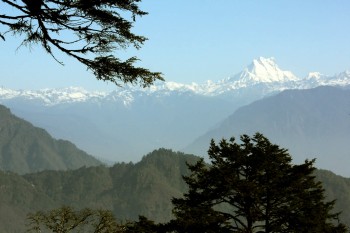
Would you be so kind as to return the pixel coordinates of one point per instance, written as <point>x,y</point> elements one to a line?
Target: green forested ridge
<point>128,189</point>
<point>25,148</point>
<point>337,187</point>
<point>17,198</point>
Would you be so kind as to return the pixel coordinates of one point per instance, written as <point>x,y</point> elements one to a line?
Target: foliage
<point>81,29</point>
<point>126,189</point>
<point>143,225</point>
<point>253,186</point>
<point>65,220</point>
<point>129,190</point>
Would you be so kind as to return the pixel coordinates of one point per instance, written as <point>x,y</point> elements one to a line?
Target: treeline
<point>126,189</point>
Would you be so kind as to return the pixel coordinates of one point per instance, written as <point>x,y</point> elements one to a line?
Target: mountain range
<point>128,122</point>
<point>261,72</point>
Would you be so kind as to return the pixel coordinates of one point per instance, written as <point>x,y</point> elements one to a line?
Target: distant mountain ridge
<point>311,123</point>
<point>109,125</point>
<point>25,148</point>
<point>260,71</point>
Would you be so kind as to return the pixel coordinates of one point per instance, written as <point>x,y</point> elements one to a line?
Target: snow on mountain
<point>314,76</point>
<point>167,114</point>
<point>8,93</point>
<point>52,96</point>
<point>340,79</point>
<point>262,72</point>
<point>314,79</point>
<point>123,96</point>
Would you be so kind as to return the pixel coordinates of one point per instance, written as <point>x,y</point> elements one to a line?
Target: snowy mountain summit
<point>263,70</point>
<point>262,75</point>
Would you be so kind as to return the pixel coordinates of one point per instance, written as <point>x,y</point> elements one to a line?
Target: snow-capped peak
<point>314,75</point>
<point>262,74</point>
<point>265,70</point>
<point>261,70</point>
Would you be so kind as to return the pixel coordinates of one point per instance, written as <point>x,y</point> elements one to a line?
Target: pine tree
<point>90,31</point>
<point>253,187</point>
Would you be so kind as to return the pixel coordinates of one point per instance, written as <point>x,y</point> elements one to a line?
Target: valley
<point>125,124</point>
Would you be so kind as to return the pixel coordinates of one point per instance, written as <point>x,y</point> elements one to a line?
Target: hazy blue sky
<point>196,40</point>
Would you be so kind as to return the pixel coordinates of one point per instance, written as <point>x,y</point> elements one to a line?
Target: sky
<point>200,40</point>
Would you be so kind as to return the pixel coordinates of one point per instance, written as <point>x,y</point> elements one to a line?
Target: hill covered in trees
<point>25,148</point>
<point>127,189</point>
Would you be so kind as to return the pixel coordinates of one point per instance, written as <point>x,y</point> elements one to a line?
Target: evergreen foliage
<point>143,225</point>
<point>89,31</point>
<point>126,189</point>
<point>252,187</point>
<point>129,190</point>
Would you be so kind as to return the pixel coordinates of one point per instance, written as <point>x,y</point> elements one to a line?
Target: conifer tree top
<point>253,186</point>
<point>88,30</point>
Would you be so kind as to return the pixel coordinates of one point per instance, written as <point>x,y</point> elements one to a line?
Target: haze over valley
<point>125,124</point>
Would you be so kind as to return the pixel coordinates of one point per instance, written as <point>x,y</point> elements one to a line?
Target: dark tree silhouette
<point>87,30</point>
<point>253,187</point>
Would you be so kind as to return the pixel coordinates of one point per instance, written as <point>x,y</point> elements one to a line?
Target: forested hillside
<point>128,189</point>
<point>18,197</point>
<point>338,188</point>
<point>25,148</point>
